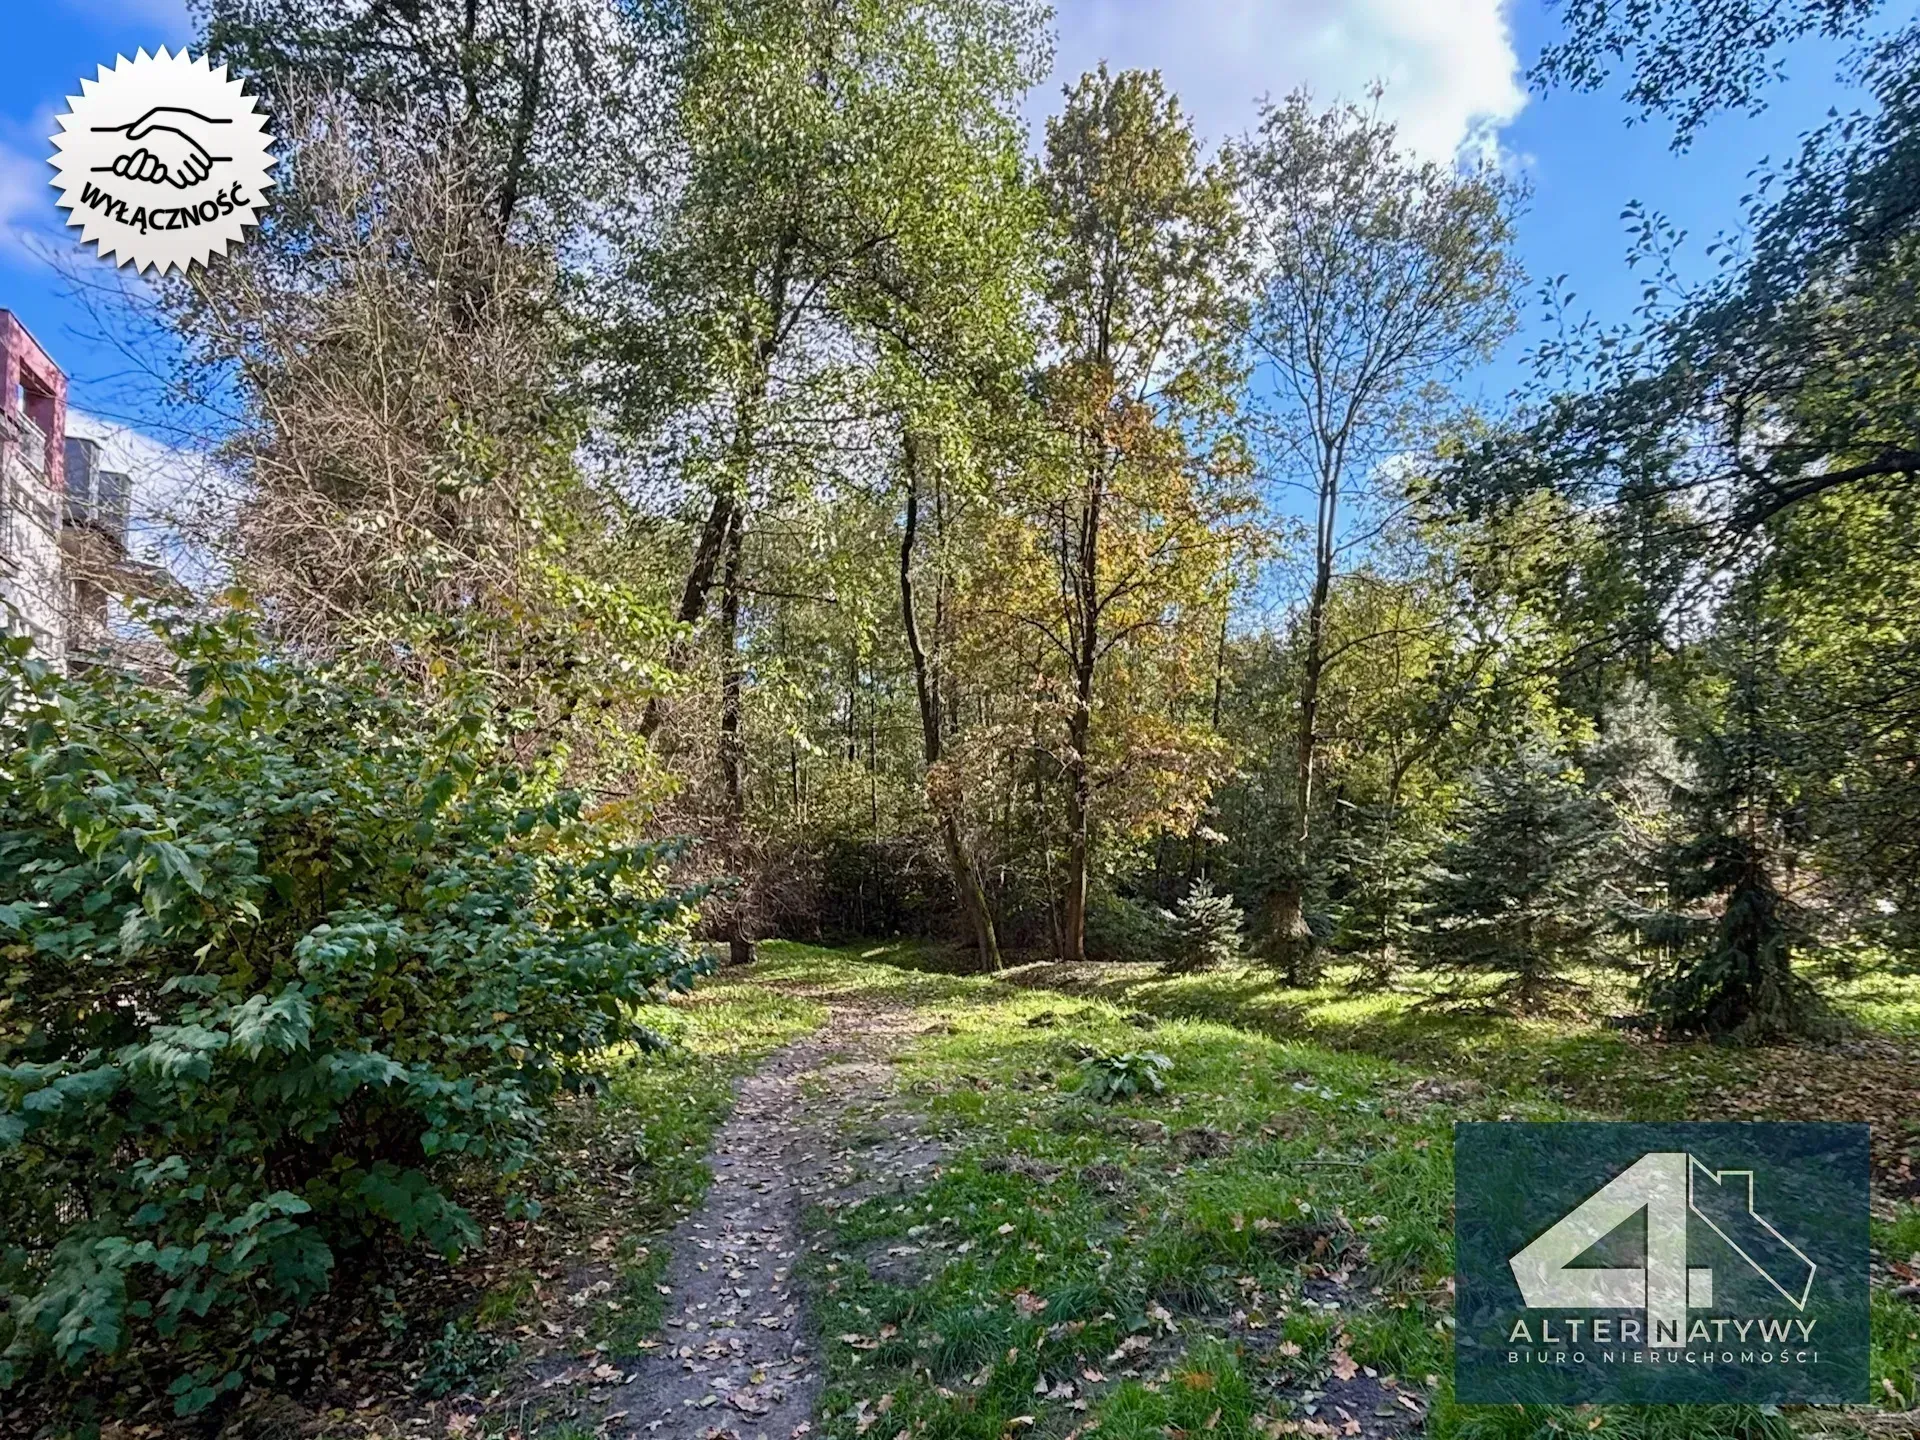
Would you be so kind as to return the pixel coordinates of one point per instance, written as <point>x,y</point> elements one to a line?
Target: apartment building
<point>63,512</point>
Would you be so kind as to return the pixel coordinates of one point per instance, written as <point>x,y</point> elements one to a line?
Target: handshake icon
<point>166,146</point>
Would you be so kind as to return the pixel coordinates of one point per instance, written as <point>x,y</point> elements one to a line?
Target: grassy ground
<point>1265,1248</point>
<point>650,1134</point>
<point>579,1284</point>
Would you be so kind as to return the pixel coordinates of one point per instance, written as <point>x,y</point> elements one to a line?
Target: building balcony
<point>28,443</point>
<point>96,497</point>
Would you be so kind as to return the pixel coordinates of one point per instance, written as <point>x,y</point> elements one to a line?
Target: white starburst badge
<point>163,161</point>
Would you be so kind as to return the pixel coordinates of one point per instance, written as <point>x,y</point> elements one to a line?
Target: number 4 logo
<point>1669,1185</point>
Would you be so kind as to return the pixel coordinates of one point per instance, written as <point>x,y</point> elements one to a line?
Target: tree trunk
<point>731,498</point>
<point>926,685</point>
<point>1199,854</point>
<point>740,945</point>
<point>1080,723</point>
<point>1289,941</point>
<point>531,80</point>
<point>1038,750</point>
<point>1073,938</point>
<point>693,596</point>
<point>1080,807</point>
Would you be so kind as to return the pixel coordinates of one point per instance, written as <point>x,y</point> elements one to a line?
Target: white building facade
<point>33,422</point>
<point>63,512</point>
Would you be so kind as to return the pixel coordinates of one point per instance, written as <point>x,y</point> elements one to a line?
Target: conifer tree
<point>1139,506</point>
<point>1519,891</point>
<point>1383,855</point>
<point>1727,930</point>
<point>1206,930</point>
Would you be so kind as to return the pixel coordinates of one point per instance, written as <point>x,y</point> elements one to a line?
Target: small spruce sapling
<point>1207,929</point>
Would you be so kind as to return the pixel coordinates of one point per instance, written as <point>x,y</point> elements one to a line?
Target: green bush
<point>288,962</point>
<point>1127,931</point>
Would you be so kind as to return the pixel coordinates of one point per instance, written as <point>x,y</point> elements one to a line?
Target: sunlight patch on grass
<point>1208,1260</point>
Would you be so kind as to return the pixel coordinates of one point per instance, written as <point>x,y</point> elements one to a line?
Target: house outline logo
<point>1687,1262</point>
<point>1665,1185</point>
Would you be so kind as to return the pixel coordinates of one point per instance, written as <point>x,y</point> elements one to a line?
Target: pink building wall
<point>33,424</point>
<point>32,384</point>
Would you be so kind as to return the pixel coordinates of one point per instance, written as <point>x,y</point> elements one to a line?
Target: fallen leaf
<point>1132,1345</point>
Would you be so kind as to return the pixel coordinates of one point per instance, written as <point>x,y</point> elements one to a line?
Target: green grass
<point>1121,1266</point>
<point>1616,1072</point>
<point>623,1166</point>
<point>644,1143</point>
<point>1889,1004</point>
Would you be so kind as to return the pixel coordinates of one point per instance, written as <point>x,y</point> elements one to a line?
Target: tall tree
<point>1439,636</point>
<point>1729,926</point>
<point>1140,282</point>
<point>404,480</point>
<point>949,304</point>
<point>1843,586</point>
<point>816,139</point>
<point>554,101</point>
<point>1379,277</point>
<point>927,650</point>
<point>1762,425</point>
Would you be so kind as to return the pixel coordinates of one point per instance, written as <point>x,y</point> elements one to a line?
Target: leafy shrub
<point>458,1357</point>
<point>1124,1076</point>
<point>868,887</point>
<point>1127,931</point>
<point>1206,930</point>
<point>286,961</point>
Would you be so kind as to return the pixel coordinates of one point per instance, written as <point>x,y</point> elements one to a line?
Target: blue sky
<point>1453,69</point>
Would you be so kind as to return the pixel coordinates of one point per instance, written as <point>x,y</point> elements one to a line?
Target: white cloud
<point>172,485</point>
<point>1449,66</point>
<point>30,222</point>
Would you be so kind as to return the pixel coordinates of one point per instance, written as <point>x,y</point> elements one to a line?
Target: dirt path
<point>821,1122</point>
